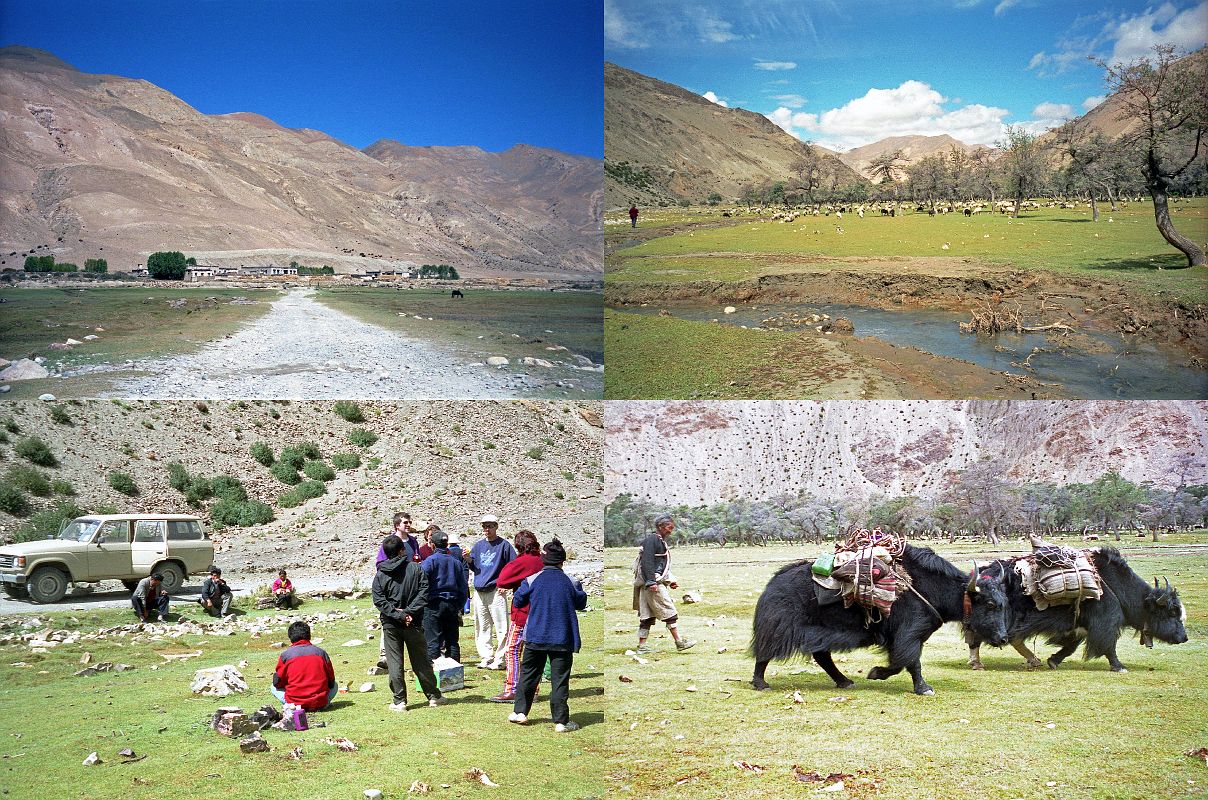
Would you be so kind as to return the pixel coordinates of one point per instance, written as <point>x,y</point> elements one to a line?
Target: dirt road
<point>304,349</point>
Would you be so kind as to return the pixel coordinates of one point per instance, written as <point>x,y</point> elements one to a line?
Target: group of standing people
<point>421,588</point>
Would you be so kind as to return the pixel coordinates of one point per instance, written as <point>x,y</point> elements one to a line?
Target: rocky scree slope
<point>534,464</point>
<point>698,453</point>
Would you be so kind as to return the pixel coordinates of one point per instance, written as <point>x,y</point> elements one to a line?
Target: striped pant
<point>513,650</point>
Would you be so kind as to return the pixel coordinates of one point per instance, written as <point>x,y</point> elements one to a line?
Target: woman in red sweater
<point>527,563</point>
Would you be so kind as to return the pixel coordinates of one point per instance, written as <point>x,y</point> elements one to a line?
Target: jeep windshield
<point>79,530</point>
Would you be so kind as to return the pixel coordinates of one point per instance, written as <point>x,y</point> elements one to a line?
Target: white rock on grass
<point>218,681</point>
<point>497,361</point>
<point>92,760</point>
<point>46,397</point>
<point>367,686</point>
<point>23,369</point>
<point>529,361</point>
<point>729,310</point>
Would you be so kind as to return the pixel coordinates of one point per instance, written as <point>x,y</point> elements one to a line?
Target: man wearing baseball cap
<point>487,558</point>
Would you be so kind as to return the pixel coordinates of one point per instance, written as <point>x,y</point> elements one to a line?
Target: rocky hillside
<point>912,148</point>
<point>534,464</point>
<point>103,166</point>
<point>698,453</point>
<point>664,143</point>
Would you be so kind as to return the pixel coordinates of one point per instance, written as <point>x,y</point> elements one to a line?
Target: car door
<point>148,548</point>
<point>109,553</point>
<point>187,544</point>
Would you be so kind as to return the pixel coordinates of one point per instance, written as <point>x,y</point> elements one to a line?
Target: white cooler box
<point>449,675</point>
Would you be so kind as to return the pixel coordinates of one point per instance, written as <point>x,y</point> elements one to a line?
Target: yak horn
<point>1167,582</point>
<point>1155,581</point>
<point>973,579</point>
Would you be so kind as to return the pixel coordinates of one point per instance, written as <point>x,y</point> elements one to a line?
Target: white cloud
<point>1093,101</point>
<point>914,108</point>
<point>1053,111</point>
<point>1135,37</point>
<point>774,66</point>
<point>712,98</point>
<point>713,29</point>
<point>618,31</point>
<point>790,100</point>
<point>1002,7</point>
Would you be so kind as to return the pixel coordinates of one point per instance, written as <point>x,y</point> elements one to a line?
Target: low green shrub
<point>263,453</point>
<point>29,479</point>
<point>62,487</point>
<point>47,523</point>
<point>362,438</point>
<point>36,451</point>
<point>346,461</point>
<point>121,482</point>
<point>318,471</point>
<point>240,513</point>
<point>178,476</point>
<point>13,501</point>
<point>293,456</point>
<point>226,487</point>
<point>59,415</point>
<point>310,489</point>
<point>349,410</point>
<point>285,472</point>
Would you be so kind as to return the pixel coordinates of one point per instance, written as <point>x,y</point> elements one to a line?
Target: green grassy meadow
<point>518,320</point>
<point>137,321</point>
<point>662,357</point>
<point>1123,246</point>
<point>53,720</point>
<point>677,729</point>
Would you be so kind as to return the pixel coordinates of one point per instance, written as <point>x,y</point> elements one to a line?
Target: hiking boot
<point>382,664</point>
<point>433,702</point>
<point>399,706</point>
<point>505,697</point>
<point>566,728</point>
<point>684,644</point>
<point>519,719</point>
<point>644,649</point>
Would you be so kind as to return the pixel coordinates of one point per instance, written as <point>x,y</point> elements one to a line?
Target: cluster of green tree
<point>1162,156</point>
<point>48,264</point>
<point>441,271</point>
<point>626,173</point>
<point>169,266</point>
<point>981,502</point>
<point>323,270</point>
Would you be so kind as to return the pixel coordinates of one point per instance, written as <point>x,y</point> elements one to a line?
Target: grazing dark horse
<point>457,294</point>
<point>790,623</point>
<point>1127,601</point>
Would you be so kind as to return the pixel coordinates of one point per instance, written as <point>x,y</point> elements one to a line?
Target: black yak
<point>1127,601</point>
<point>789,622</point>
<point>456,294</point>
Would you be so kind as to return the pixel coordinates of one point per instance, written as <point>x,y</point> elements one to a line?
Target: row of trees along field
<point>48,264</point>
<point>981,502</point>
<point>1165,154</point>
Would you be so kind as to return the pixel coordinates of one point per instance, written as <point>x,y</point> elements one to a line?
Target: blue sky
<point>843,74</point>
<point>487,72</point>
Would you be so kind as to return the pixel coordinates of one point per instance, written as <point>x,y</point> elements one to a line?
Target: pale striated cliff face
<point>699,452</point>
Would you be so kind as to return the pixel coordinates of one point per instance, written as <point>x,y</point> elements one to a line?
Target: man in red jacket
<point>513,573</point>
<point>304,673</point>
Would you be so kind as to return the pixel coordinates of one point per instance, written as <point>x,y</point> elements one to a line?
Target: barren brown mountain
<point>912,149</point>
<point>662,142</point>
<point>109,167</point>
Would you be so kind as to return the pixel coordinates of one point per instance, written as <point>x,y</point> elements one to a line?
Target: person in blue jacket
<point>486,559</point>
<point>447,591</point>
<point>550,634</point>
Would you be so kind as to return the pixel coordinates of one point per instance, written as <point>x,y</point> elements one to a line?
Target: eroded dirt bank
<point>1039,298</point>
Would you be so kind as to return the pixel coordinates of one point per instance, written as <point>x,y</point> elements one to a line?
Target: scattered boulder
<point>23,370</point>
<point>497,361</point>
<point>218,681</point>
<point>367,686</point>
<point>729,310</point>
<point>48,398</point>
<point>253,744</point>
<point>692,597</point>
<point>838,325</point>
<point>529,361</point>
<point>92,760</point>
<point>73,342</point>
<point>58,346</point>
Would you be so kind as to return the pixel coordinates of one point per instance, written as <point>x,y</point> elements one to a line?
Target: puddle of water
<point>1129,371</point>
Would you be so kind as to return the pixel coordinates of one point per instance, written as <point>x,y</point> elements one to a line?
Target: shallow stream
<point>1124,371</point>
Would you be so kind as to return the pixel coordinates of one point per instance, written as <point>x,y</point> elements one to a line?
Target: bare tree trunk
<point>1094,209</point>
<point>1111,197</point>
<point>1157,189</point>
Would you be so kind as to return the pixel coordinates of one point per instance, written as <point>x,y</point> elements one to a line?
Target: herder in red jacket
<point>304,673</point>
<point>510,577</point>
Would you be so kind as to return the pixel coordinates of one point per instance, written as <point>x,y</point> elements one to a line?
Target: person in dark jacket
<point>633,216</point>
<point>400,593</point>
<point>215,594</point>
<point>150,598</point>
<point>304,674</point>
<point>447,592</point>
<point>551,634</point>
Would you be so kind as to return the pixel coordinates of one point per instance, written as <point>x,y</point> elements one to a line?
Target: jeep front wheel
<point>47,585</point>
<point>174,576</point>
